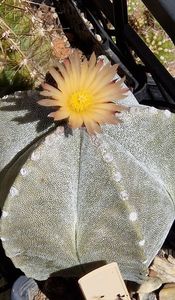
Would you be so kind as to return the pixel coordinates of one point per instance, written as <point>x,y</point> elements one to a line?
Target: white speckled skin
<point>21,122</point>
<point>78,199</point>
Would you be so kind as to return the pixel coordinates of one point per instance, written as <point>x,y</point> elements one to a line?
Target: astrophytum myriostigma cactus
<point>72,198</point>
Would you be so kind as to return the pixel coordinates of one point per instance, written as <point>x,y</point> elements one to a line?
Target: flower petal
<point>101,116</point>
<point>59,115</point>
<point>75,121</point>
<point>50,90</point>
<point>105,75</point>
<point>106,106</point>
<point>91,126</point>
<point>110,92</point>
<point>92,74</point>
<point>92,61</point>
<point>48,102</point>
<point>83,73</point>
<point>76,62</point>
<point>57,77</point>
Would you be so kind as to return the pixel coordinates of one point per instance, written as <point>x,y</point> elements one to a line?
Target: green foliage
<point>151,32</point>
<point>25,46</point>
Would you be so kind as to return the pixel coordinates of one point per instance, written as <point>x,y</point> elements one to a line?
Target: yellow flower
<point>84,94</point>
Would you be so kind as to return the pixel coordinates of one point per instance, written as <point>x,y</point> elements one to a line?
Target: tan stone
<point>150,285</point>
<point>169,285</point>
<point>167,293</point>
<point>164,268</point>
<point>150,296</point>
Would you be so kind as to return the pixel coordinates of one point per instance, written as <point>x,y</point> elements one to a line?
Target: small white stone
<point>124,195</point>
<point>117,176</point>
<point>35,155</point>
<point>141,243</point>
<point>13,191</point>
<point>167,113</point>
<point>24,171</point>
<point>4,214</point>
<point>108,157</point>
<point>153,110</point>
<point>133,216</point>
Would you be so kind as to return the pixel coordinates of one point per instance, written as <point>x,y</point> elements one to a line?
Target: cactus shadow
<point>64,283</point>
<point>27,110</point>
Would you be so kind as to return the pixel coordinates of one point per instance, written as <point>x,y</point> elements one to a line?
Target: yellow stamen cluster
<point>80,101</point>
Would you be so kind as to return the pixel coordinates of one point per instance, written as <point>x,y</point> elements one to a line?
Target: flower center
<point>80,101</point>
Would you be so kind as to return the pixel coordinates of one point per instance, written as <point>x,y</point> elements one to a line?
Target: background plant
<point>152,33</point>
<point>26,43</point>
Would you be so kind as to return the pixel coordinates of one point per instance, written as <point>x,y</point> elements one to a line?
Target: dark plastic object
<point>24,289</point>
<point>99,13</point>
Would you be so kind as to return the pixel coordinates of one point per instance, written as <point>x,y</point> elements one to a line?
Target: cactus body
<point>72,199</point>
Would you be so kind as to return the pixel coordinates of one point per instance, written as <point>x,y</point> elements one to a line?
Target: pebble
<point>150,296</point>
<point>168,292</point>
<point>150,285</point>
